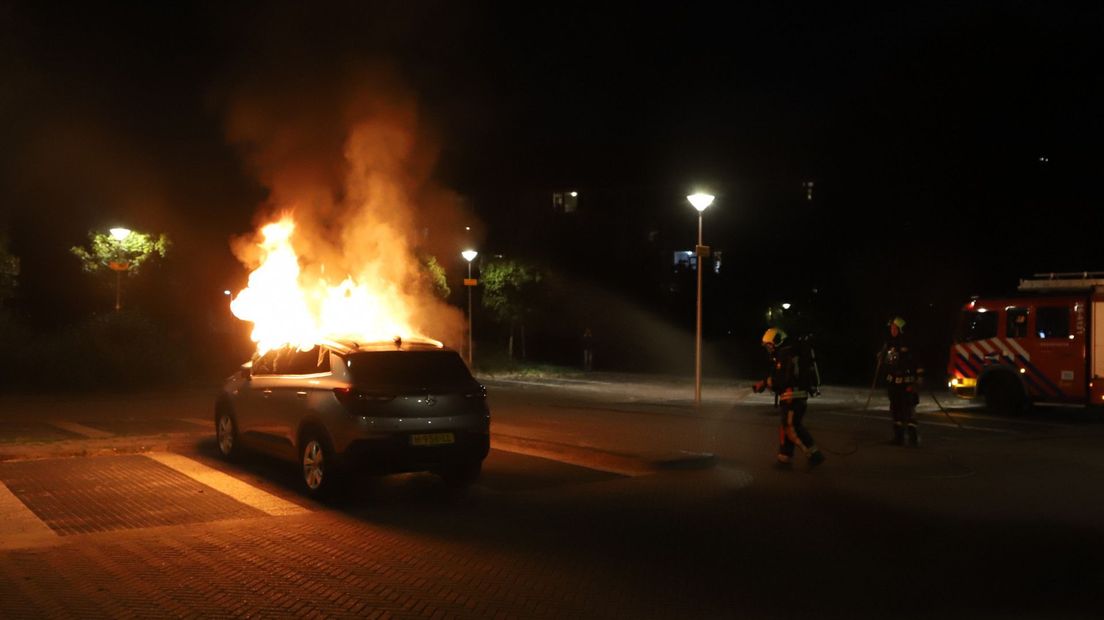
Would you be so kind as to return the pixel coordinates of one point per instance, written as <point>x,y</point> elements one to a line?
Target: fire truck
<point>1044,344</point>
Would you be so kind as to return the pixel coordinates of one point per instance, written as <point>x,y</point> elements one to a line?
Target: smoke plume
<point>352,159</point>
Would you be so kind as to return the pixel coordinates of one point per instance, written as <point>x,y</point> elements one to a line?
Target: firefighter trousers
<point>902,408</point>
<point>791,429</point>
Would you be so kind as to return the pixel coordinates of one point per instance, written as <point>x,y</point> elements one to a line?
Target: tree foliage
<point>511,288</point>
<point>435,274</point>
<point>105,252</point>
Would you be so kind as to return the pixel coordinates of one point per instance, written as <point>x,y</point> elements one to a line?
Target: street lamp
<point>700,202</point>
<point>469,255</point>
<point>119,266</point>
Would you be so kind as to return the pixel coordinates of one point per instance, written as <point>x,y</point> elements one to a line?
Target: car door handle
<point>301,394</point>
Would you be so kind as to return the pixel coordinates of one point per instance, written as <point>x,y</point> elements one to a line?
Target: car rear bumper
<point>396,453</point>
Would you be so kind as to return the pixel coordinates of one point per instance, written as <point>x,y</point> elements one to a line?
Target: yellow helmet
<point>774,336</point>
<point>898,321</point>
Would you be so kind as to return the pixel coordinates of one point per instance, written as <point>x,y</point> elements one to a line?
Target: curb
<point>134,444</point>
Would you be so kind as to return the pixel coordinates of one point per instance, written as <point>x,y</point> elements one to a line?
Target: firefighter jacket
<point>900,366</point>
<point>787,377</point>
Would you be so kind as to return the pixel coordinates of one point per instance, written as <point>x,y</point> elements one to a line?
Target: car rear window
<point>408,369</point>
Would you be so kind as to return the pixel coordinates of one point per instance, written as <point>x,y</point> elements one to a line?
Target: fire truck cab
<point>1045,344</point>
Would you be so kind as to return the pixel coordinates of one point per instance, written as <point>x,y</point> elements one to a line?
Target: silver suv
<point>343,408</point>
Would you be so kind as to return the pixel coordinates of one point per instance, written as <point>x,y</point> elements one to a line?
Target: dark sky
<point>923,125</point>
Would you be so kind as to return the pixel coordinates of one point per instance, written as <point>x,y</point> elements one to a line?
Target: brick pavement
<point>327,563</point>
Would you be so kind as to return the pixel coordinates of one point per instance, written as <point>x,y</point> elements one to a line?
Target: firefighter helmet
<point>774,336</point>
<point>898,321</point>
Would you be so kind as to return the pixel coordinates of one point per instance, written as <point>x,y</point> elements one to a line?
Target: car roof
<point>347,347</point>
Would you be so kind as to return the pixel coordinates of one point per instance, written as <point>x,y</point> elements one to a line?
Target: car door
<point>253,396</point>
<point>300,377</point>
<point>264,403</point>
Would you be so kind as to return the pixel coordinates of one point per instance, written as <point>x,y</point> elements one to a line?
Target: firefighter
<point>903,379</point>
<point>790,379</point>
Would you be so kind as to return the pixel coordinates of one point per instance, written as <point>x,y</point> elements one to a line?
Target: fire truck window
<point>975,325</point>
<point>1016,326</point>
<point>1052,322</point>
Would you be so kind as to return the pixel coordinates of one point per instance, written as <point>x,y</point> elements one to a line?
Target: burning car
<point>342,409</point>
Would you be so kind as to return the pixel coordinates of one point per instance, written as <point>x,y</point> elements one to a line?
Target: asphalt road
<point>605,496</point>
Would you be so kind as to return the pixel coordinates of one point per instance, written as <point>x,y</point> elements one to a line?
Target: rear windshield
<point>408,369</point>
<point>975,325</point>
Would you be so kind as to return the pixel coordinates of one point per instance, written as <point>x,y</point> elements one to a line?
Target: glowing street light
<point>119,234</point>
<point>119,266</point>
<point>469,255</point>
<point>700,202</point>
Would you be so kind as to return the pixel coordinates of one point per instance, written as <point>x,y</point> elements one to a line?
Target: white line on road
<point>229,485</point>
<point>19,527</point>
<point>80,429</point>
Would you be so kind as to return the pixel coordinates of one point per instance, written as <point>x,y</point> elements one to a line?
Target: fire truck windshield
<point>976,325</point>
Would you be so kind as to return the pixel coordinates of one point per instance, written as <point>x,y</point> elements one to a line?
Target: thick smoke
<point>352,160</point>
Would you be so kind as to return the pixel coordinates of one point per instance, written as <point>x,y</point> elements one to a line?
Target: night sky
<point>954,148</point>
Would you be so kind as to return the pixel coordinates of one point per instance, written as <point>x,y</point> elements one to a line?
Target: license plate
<point>432,439</point>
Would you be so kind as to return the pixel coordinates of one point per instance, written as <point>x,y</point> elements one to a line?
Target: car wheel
<point>226,433</point>
<point>317,460</point>
<point>462,474</point>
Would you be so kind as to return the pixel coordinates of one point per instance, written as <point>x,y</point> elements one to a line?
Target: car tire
<point>226,433</point>
<point>462,475</point>
<point>317,466</point>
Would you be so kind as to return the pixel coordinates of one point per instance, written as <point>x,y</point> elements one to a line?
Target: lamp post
<point>119,266</point>
<point>469,255</point>
<point>700,202</point>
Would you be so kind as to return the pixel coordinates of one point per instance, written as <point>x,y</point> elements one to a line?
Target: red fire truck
<point>1045,344</point>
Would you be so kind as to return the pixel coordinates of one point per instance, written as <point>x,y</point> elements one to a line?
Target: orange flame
<point>288,308</point>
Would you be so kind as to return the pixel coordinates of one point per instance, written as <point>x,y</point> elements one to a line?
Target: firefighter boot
<point>816,457</point>
<point>898,435</point>
<point>913,436</point>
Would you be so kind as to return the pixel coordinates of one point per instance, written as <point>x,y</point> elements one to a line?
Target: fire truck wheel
<point>1004,395</point>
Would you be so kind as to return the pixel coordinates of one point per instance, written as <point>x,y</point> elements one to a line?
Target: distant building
<point>565,202</point>
<point>687,260</point>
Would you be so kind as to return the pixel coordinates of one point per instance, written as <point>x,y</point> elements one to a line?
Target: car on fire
<point>342,410</point>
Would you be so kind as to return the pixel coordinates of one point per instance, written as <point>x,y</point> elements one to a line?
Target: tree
<point>511,291</point>
<point>435,274</point>
<point>121,251</point>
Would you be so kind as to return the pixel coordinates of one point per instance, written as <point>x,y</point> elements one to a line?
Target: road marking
<point>240,491</point>
<point>199,422</point>
<point>19,527</point>
<point>572,455</point>
<point>80,429</point>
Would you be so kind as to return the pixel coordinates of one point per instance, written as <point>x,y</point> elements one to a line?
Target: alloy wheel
<point>313,464</point>
<point>225,431</point>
